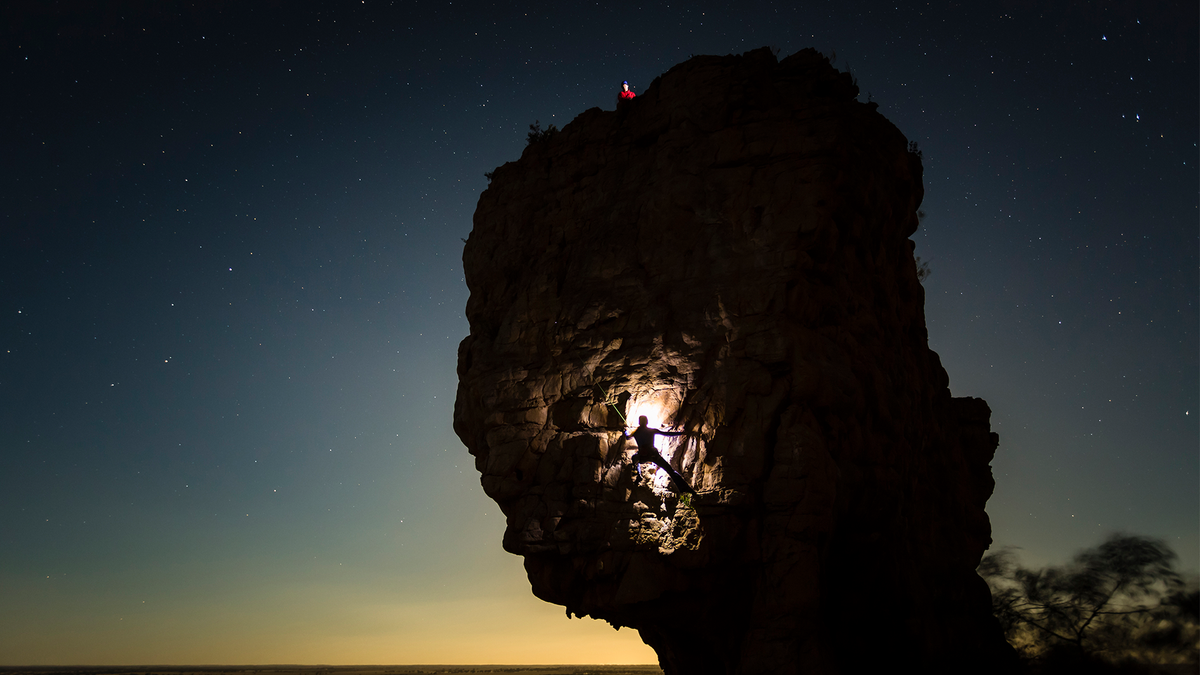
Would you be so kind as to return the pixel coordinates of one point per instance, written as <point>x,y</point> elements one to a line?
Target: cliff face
<point>729,255</point>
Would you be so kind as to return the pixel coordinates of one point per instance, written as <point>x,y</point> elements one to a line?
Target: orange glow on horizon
<point>510,628</point>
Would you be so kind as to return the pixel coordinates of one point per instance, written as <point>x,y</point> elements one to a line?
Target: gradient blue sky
<point>231,295</point>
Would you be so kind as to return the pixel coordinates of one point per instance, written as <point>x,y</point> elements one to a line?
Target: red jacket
<point>625,95</point>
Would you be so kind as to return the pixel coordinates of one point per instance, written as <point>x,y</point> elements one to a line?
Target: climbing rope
<point>606,400</point>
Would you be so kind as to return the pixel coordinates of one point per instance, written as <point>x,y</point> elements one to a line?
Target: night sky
<point>231,294</point>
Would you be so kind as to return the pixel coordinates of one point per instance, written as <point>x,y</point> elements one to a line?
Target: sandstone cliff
<point>729,255</point>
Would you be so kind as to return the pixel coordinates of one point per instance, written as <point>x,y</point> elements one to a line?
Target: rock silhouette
<point>728,254</point>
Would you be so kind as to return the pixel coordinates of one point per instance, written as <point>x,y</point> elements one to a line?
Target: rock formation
<point>728,254</point>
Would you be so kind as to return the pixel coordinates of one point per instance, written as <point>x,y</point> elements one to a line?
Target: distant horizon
<point>278,666</point>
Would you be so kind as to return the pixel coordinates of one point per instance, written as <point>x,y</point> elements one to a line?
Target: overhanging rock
<point>729,255</point>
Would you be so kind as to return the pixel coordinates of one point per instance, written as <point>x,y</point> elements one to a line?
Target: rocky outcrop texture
<point>728,254</point>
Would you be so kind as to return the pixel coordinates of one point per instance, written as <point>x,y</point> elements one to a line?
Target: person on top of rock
<point>646,452</point>
<point>625,96</point>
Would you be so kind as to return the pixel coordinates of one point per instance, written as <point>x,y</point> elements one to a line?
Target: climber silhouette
<point>646,452</point>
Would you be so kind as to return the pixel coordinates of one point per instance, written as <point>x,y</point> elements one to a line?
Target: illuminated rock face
<point>729,256</point>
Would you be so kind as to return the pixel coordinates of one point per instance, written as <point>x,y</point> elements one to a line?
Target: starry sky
<point>231,294</point>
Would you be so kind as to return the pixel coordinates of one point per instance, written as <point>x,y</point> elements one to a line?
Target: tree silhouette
<point>537,134</point>
<point>1120,600</point>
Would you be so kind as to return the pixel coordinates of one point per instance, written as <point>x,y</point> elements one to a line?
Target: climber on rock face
<point>625,96</point>
<point>646,452</point>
